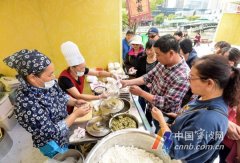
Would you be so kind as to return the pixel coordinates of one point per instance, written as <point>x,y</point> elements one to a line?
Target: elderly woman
<point>41,104</point>
<point>199,130</point>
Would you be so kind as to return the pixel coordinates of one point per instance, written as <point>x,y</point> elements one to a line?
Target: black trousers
<point>223,153</point>
<point>148,114</point>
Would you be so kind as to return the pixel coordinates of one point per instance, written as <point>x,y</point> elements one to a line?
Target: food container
<point>127,106</point>
<point>129,137</point>
<point>70,154</point>
<point>123,121</point>
<point>111,106</point>
<point>99,90</point>
<point>98,127</point>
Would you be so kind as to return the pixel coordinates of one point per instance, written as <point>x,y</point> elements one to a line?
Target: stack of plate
<point>125,95</point>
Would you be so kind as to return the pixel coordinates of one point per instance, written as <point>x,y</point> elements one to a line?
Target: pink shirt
<point>231,144</point>
<point>232,113</point>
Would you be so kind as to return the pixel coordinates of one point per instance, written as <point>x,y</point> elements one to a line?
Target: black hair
<point>224,50</point>
<point>130,32</point>
<point>179,33</point>
<point>167,43</point>
<point>186,45</point>
<point>149,44</point>
<point>222,44</point>
<point>234,56</point>
<point>216,67</point>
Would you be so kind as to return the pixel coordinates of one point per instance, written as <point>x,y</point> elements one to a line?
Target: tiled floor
<point>22,150</point>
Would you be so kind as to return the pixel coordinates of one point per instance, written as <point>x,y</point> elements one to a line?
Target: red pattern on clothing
<point>168,85</point>
<point>132,52</point>
<point>79,87</point>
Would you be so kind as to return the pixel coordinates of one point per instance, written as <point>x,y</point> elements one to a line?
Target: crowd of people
<point>197,95</point>
<point>203,99</point>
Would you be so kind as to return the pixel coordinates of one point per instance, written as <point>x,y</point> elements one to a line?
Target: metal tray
<point>98,127</point>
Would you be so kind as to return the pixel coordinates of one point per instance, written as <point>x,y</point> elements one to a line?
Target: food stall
<point>120,110</point>
<point>97,128</point>
<point>134,109</point>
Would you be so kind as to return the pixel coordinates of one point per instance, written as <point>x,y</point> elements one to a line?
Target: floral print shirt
<point>42,112</point>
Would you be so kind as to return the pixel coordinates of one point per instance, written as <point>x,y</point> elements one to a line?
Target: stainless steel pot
<point>124,115</point>
<point>71,153</point>
<point>99,125</point>
<point>108,111</point>
<point>127,106</point>
<point>111,106</point>
<point>127,137</point>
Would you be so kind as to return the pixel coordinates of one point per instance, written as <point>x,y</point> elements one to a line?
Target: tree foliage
<point>159,18</point>
<point>171,16</point>
<point>154,3</point>
<point>125,21</point>
<point>192,18</point>
<point>124,4</point>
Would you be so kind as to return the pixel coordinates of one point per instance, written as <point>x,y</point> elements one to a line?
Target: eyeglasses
<point>151,36</point>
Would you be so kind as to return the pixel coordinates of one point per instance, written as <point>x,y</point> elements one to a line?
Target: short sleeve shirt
<point>65,83</point>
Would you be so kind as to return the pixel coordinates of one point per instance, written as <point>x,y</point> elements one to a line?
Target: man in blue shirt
<point>125,43</point>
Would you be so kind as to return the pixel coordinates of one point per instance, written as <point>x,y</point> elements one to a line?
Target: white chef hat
<point>72,54</point>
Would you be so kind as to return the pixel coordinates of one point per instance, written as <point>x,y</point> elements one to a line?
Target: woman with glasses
<point>41,105</point>
<point>199,130</point>
<point>131,60</point>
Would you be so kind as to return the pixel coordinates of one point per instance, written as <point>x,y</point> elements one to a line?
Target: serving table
<point>135,109</point>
